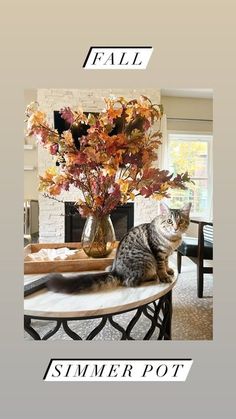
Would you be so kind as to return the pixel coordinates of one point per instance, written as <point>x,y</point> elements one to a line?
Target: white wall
<point>189,108</point>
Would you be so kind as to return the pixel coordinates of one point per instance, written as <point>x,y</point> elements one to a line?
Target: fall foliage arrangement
<point>108,156</point>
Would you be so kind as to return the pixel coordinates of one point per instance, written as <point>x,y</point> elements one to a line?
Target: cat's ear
<point>186,209</point>
<point>164,209</point>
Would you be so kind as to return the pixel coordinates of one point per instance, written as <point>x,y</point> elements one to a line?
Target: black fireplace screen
<point>122,218</point>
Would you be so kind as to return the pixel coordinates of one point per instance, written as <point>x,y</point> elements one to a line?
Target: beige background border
<point>43,44</point>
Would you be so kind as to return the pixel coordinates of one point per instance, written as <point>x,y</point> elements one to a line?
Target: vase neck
<point>101,217</point>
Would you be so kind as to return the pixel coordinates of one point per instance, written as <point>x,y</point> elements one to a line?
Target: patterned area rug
<point>192,316</point>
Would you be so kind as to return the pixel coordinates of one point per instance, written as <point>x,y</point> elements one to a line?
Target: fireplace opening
<point>122,218</point>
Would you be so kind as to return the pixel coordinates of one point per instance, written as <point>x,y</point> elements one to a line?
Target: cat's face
<point>174,221</point>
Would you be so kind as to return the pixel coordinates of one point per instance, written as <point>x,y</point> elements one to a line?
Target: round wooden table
<point>152,299</point>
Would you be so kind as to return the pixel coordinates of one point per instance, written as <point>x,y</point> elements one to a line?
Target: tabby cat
<point>142,255</point>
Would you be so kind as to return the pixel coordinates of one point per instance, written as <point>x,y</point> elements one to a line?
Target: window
<point>192,153</point>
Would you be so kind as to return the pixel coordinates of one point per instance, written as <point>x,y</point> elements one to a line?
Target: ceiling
<point>197,93</point>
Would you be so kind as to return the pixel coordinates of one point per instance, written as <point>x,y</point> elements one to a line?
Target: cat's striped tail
<point>68,284</point>
<point>75,283</point>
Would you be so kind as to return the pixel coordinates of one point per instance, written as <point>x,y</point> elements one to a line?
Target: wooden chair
<point>198,249</point>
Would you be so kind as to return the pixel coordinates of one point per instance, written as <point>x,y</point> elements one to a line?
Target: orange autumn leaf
<point>118,157</point>
<point>98,200</point>
<point>114,113</point>
<point>110,170</point>
<point>92,155</point>
<point>104,136</point>
<point>145,156</point>
<point>133,147</point>
<point>37,118</point>
<point>67,136</point>
<point>54,190</point>
<point>120,139</point>
<point>144,111</point>
<point>49,174</point>
<point>157,196</point>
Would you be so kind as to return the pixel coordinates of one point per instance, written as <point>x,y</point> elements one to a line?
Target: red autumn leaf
<point>81,158</point>
<point>53,149</point>
<point>134,159</point>
<point>146,191</point>
<point>149,173</point>
<point>67,114</point>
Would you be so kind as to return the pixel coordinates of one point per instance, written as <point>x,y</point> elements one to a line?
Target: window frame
<point>196,136</point>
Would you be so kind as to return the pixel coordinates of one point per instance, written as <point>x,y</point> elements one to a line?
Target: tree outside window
<point>192,152</point>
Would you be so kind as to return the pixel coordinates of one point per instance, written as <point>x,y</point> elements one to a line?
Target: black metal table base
<point>158,312</point>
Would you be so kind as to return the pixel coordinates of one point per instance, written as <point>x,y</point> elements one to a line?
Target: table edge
<point>103,311</point>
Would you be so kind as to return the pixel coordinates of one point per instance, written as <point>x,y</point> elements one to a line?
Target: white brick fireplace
<point>51,212</point>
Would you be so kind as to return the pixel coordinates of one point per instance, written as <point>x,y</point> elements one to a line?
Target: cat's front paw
<point>164,277</point>
<point>170,271</point>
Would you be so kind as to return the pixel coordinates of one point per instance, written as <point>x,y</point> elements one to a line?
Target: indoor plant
<point>107,156</point>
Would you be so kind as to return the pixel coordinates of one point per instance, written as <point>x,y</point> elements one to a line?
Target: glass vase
<point>98,237</point>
